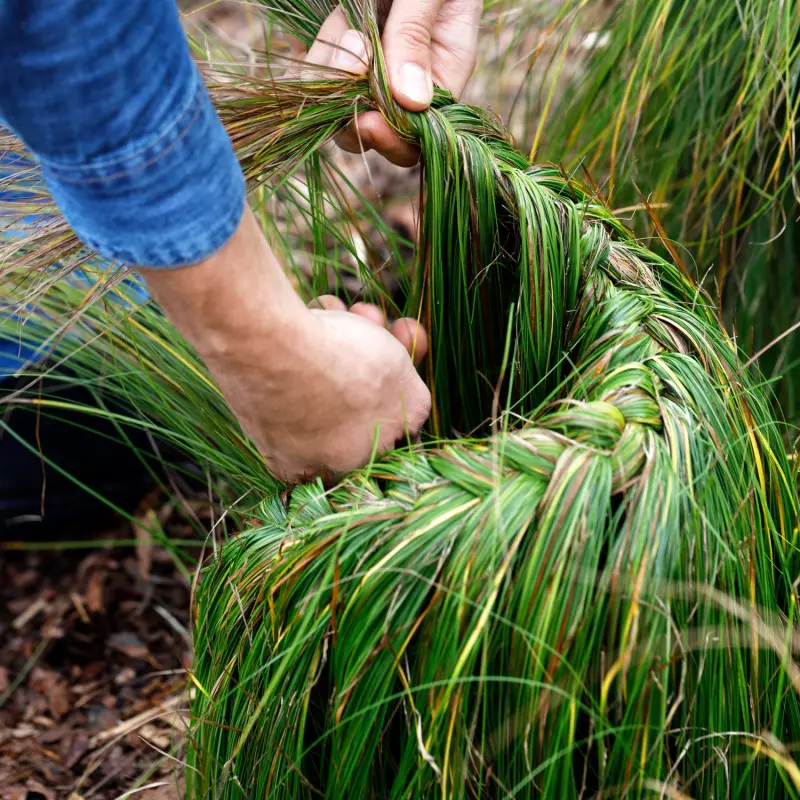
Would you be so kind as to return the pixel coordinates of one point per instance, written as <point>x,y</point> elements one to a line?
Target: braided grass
<point>595,600</point>
<point>573,605</point>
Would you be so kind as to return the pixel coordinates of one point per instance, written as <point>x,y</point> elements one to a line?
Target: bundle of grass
<point>692,108</point>
<point>587,591</point>
<point>595,599</point>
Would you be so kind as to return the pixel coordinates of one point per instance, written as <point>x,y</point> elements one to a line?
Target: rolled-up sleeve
<point>107,98</point>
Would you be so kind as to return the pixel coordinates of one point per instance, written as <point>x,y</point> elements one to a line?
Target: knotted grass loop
<point>555,610</point>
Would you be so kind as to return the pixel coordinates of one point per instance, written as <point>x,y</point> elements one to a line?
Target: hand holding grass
<point>322,390</point>
<point>425,42</point>
<point>318,390</point>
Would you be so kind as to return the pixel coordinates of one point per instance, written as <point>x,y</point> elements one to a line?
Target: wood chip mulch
<point>93,653</point>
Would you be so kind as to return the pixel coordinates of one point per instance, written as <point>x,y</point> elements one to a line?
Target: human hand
<point>425,42</point>
<point>320,390</point>
<point>341,390</point>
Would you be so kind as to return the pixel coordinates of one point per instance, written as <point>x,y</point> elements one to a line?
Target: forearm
<point>239,291</point>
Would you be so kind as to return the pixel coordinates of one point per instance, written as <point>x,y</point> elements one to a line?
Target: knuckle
<point>415,33</point>
<point>468,9</point>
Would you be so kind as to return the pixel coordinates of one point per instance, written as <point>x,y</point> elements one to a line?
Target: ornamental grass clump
<point>596,599</point>
<point>694,106</point>
<point>580,585</point>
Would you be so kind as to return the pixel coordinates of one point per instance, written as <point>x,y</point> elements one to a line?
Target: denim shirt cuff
<point>169,202</point>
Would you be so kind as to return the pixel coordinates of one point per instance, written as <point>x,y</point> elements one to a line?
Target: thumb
<point>407,44</point>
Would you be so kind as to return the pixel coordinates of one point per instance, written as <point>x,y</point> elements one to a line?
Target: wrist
<point>238,294</point>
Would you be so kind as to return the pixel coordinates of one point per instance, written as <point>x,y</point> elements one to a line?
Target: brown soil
<point>92,672</point>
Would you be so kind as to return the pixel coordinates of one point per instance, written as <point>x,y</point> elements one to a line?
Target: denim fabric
<point>107,98</point>
<point>15,351</point>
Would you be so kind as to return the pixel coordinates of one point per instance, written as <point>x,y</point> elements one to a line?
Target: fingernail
<point>415,83</point>
<point>351,55</point>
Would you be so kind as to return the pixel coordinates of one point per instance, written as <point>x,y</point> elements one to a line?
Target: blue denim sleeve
<point>106,96</point>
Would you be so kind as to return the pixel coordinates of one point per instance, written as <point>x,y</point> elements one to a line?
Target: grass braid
<point>554,610</point>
